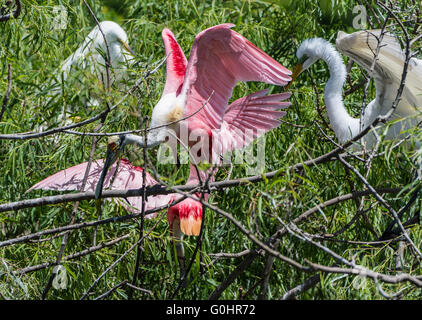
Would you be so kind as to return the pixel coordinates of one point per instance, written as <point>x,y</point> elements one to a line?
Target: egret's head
<point>115,35</point>
<point>308,53</point>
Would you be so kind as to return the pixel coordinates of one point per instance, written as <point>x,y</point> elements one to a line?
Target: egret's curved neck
<point>344,126</point>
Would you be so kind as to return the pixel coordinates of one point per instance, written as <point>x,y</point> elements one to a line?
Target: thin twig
<point>118,260</point>
<point>9,89</point>
<point>73,255</point>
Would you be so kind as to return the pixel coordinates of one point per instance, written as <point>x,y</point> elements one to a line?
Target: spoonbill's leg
<point>180,250</point>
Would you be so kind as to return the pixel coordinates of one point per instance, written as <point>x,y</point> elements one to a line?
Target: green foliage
<point>34,49</point>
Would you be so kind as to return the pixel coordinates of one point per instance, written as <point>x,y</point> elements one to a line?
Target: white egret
<point>361,47</point>
<point>94,48</point>
<point>111,40</point>
<point>387,72</point>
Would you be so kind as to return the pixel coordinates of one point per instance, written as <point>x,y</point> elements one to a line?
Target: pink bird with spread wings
<point>128,177</point>
<point>195,99</point>
<point>184,217</point>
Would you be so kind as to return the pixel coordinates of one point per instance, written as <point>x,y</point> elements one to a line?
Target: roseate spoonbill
<point>184,217</point>
<point>361,47</point>
<point>239,114</point>
<point>231,58</point>
<point>90,56</point>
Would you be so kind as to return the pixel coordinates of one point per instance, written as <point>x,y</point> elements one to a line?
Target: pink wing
<point>176,63</point>
<point>127,177</point>
<point>246,119</point>
<point>71,178</point>
<point>220,58</point>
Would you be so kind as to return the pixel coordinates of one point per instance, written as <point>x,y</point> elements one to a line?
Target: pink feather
<point>220,58</point>
<point>246,119</point>
<point>175,64</point>
<point>127,177</point>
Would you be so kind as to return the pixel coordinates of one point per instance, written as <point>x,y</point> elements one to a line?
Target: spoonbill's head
<point>115,146</point>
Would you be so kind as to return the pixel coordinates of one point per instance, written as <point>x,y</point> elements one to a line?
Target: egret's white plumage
<point>92,51</point>
<point>361,47</point>
<point>90,57</point>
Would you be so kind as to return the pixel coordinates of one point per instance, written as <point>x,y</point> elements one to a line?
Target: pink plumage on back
<point>71,178</point>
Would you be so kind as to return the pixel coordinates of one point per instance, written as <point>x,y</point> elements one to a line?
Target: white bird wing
<point>77,60</point>
<point>361,47</point>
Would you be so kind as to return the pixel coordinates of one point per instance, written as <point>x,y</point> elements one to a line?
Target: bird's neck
<point>152,139</point>
<point>344,126</point>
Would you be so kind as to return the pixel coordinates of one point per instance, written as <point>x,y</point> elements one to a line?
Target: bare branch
<point>309,283</point>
